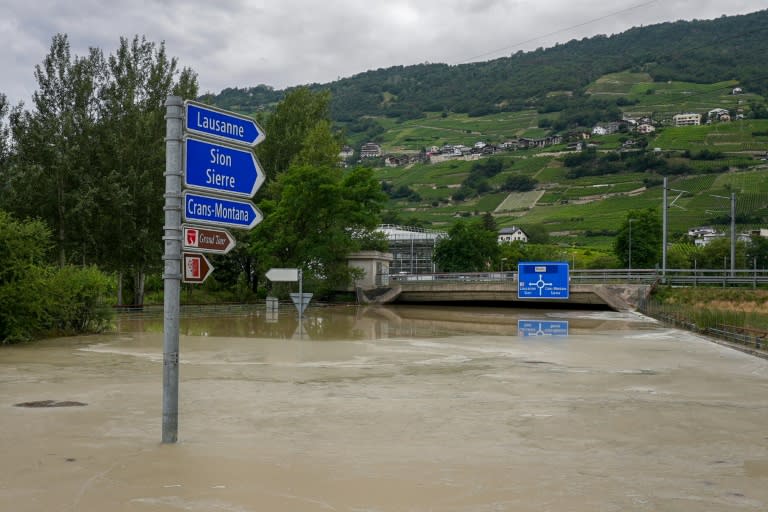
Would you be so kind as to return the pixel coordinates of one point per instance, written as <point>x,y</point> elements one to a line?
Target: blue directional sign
<point>221,168</point>
<point>222,124</point>
<point>204,209</point>
<point>542,280</point>
<point>542,327</point>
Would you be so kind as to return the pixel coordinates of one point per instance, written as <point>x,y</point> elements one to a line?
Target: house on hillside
<point>370,150</point>
<point>688,119</point>
<point>511,234</point>
<point>608,128</point>
<point>718,114</point>
<point>645,128</point>
<point>346,153</point>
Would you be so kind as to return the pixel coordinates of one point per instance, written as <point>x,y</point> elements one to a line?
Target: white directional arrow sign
<point>283,274</point>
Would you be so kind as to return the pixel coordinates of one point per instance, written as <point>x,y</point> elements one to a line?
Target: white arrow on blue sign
<point>222,124</point>
<point>218,211</point>
<point>221,168</point>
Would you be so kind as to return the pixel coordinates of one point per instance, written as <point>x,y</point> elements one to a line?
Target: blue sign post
<point>221,168</point>
<point>203,209</point>
<point>221,124</point>
<point>543,280</point>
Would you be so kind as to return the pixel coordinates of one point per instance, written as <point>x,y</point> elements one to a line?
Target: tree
<point>469,247</point>
<point>141,76</point>
<point>55,150</point>
<point>717,254</point>
<point>757,252</point>
<point>299,132</point>
<point>34,297</point>
<point>316,217</point>
<point>90,156</point>
<point>645,241</point>
<point>297,125</point>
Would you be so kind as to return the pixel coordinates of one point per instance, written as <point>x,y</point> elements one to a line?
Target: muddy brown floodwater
<point>387,409</point>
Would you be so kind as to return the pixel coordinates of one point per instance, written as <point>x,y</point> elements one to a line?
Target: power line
<point>606,16</point>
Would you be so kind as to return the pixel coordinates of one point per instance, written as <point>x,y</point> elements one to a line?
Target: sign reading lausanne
<point>204,209</point>
<point>221,124</point>
<point>220,168</point>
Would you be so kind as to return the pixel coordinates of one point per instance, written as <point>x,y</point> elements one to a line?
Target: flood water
<point>387,409</point>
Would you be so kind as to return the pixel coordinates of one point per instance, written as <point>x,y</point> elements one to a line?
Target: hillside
<point>654,72</point>
<point>706,51</point>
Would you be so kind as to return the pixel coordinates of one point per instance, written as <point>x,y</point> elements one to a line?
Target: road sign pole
<point>172,266</point>
<point>301,297</point>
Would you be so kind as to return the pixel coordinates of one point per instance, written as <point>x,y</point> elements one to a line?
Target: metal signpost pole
<point>301,298</point>
<point>664,232</point>
<point>172,267</point>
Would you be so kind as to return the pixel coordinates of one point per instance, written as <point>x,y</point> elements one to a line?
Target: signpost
<point>300,300</point>
<point>217,159</point>
<point>197,268</point>
<point>218,211</point>
<point>543,280</point>
<point>221,124</point>
<point>216,241</point>
<point>221,168</point>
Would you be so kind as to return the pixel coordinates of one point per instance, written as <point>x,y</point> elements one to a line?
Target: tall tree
<point>318,216</point>
<point>645,241</point>
<point>470,247</point>
<point>296,126</point>
<point>298,132</point>
<point>55,147</point>
<point>141,76</point>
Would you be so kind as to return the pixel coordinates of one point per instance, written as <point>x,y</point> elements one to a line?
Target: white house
<point>511,234</point>
<point>370,150</point>
<point>646,128</point>
<point>689,119</point>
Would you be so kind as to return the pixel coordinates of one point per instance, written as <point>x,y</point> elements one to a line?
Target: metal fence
<point>674,277</point>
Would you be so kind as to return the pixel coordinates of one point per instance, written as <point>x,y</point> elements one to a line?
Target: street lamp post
<point>629,266</point>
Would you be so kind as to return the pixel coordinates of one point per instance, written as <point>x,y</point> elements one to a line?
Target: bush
<point>37,299</point>
<point>77,300</point>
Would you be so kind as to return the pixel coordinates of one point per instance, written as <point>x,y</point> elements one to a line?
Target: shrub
<point>37,299</point>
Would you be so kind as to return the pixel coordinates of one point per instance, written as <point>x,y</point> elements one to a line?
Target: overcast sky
<point>242,43</point>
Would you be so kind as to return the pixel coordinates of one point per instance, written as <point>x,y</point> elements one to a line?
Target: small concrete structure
<point>375,267</point>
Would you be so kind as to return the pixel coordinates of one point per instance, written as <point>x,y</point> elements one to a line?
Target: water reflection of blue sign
<point>542,280</point>
<point>542,327</point>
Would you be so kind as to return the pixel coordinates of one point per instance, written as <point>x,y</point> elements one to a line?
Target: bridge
<point>619,290</point>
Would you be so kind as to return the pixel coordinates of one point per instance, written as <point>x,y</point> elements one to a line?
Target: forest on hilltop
<point>700,51</point>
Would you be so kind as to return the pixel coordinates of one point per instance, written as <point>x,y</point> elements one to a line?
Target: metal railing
<point>674,277</point>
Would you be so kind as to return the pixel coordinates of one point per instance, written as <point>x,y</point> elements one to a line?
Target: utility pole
<point>664,233</point>
<point>733,234</point>
<point>629,268</point>
<point>732,198</point>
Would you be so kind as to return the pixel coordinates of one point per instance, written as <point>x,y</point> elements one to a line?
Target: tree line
<point>87,161</point>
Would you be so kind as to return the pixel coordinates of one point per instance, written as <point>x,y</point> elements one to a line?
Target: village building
<point>688,119</point>
<point>511,234</point>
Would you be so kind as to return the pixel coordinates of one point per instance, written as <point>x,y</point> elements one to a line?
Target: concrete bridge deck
<point>498,287</point>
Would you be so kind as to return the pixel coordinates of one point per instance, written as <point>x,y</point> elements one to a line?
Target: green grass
<point>572,207</point>
<point>435,130</point>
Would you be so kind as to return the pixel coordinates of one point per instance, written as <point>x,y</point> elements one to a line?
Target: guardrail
<point>675,277</point>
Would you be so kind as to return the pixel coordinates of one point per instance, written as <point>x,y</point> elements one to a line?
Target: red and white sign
<point>217,241</point>
<point>195,268</point>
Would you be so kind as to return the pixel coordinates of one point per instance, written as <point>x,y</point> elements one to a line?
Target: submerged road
<point>387,409</point>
